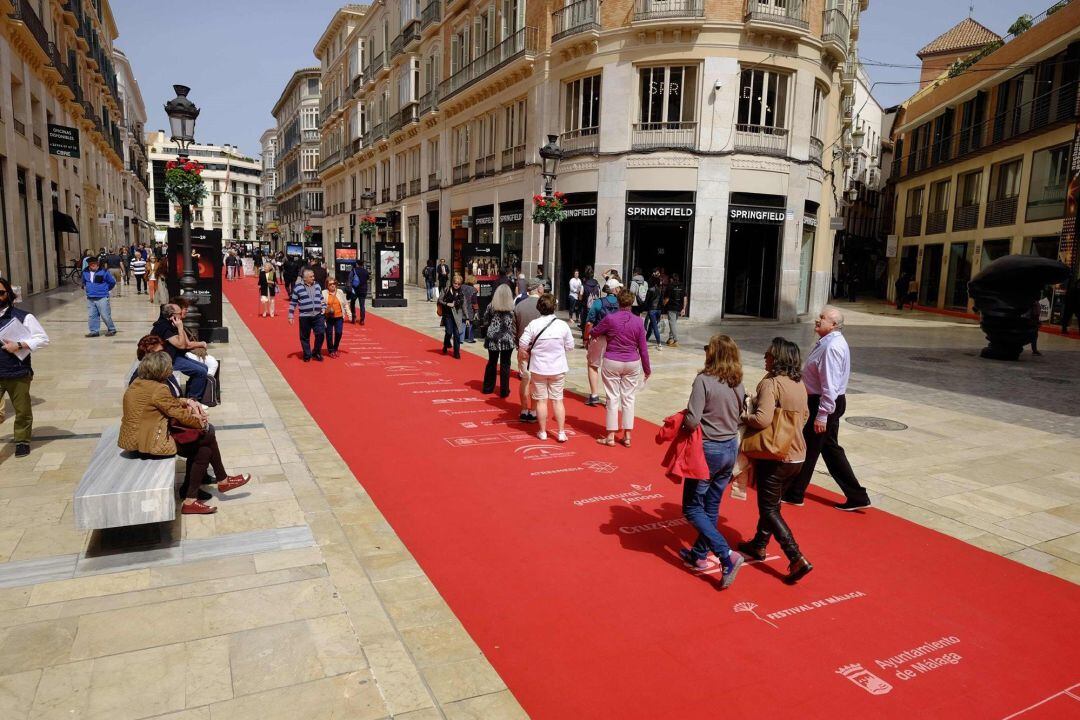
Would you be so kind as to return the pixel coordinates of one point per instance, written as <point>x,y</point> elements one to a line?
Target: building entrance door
<point>577,249</point>
<point>659,245</point>
<point>930,282</point>
<point>433,233</point>
<point>753,269</point>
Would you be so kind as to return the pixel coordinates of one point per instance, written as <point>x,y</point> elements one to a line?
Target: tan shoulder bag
<point>775,441</point>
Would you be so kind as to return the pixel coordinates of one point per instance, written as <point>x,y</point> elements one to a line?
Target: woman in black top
<point>267,288</point>
<point>500,340</point>
<point>452,302</point>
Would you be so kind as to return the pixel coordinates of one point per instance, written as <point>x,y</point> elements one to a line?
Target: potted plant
<point>549,209</point>
<point>183,182</point>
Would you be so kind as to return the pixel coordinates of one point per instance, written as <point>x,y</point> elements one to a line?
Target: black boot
<point>798,569</point>
<point>755,548</point>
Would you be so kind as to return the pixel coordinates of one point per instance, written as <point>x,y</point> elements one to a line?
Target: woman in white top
<point>574,298</point>
<point>542,348</point>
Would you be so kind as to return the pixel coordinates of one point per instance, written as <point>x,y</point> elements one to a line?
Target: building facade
<point>270,230</point>
<point>233,182</point>
<point>135,185</point>
<point>299,195</point>
<point>62,160</point>
<point>982,161</point>
<point>697,137</point>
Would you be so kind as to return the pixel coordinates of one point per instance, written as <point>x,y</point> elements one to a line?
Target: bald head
<point>828,320</point>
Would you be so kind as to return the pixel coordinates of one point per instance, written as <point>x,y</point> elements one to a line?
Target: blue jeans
<point>466,332</point>
<point>195,371</point>
<point>701,499</point>
<point>334,327</point>
<point>99,309</point>
<point>652,325</point>
<point>452,333</point>
<point>430,290</point>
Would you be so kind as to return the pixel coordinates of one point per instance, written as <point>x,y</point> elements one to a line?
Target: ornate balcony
<point>378,131</point>
<point>485,166</point>
<point>787,18</point>
<point>433,181</point>
<point>399,193</point>
<point>761,139</point>
<point>309,136</point>
<point>661,135</point>
<point>429,101</point>
<point>461,173</point>
<point>410,34</point>
<point>521,43</point>
<point>513,158</point>
<point>649,10</point>
<point>414,186</point>
<point>357,83</point>
<point>577,17</point>
<point>431,14</point>
<point>394,124</point>
<point>23,12</point>
<point>817,149</point>
<point>835,33</point>
<point>585,141</point>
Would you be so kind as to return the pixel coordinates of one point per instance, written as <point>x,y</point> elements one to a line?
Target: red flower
<point>171,165</point>
<point>543,202</point>
<point>537,199</point>
<point>560,195</point>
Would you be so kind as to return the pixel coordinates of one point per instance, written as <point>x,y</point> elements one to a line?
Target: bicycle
<point>74,273</point>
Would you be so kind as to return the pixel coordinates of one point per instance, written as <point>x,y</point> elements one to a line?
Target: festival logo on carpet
<point>797,609</point>
<point>630,497</point>
<point>865,679</point>
<point>600,466</point>
<point>542,452</point>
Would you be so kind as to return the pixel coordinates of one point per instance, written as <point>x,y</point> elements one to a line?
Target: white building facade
<point>270,230</point>
<point>299,196</point>
<point>233,187</point>
<point>135,186</point>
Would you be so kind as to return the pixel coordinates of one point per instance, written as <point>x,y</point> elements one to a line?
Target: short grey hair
<point>155,366</point>
<point>835,315</point>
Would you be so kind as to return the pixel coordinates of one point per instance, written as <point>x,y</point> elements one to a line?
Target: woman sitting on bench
<point>156,424</point>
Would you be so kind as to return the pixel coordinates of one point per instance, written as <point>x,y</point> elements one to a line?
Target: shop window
<point>1046,246</point>
<point>667,102</point>
<point>1049,175</point>
<point>992,250</point>
<point>581,114</point>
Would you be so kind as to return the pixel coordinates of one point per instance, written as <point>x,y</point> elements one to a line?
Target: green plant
<point>368,225</point>
<point>183,182</point>
<point>549,209</point>
<point>1055,7</point>
<point>1022,24</point>
<point>961,66</point>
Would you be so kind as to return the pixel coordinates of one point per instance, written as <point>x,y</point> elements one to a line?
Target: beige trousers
<point>621,380</point>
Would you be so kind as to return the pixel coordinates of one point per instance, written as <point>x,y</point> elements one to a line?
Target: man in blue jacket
<point>98,282</point>
<point>358,281</point>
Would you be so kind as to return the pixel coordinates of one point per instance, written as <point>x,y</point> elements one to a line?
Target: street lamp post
<point>550,155</point>
<point>182,115</point>
<point>367,200</point>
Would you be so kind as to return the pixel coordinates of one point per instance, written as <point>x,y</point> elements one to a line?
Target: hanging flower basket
<point>183,182</point>
<point>549,209</point>
<point>368,226</point>
<point>307,232</point>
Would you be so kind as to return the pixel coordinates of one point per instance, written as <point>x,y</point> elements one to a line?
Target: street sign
<point>63,141</point>
<point>836,222</point>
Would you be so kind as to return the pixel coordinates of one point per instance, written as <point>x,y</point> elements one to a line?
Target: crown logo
<point>865,679</point>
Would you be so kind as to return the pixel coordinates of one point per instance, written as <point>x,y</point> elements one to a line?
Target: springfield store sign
<point>674,212</point>
<point>749,214</point>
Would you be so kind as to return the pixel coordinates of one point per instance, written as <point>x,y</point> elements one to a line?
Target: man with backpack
<point>675,307</point>
<point>358,283</point>
<point>595,347</point>
<point>639,289</point>
<point>429,280</point>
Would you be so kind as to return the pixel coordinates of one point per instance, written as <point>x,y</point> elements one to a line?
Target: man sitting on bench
<point>170,328</point>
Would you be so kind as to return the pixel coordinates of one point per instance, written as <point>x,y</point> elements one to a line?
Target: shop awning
<point>63,222</point>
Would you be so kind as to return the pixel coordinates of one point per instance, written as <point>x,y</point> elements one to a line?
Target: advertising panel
<point>390,283</point>
<point>207,264</point>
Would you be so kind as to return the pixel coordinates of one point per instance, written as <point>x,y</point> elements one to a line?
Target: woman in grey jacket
<point>500,340</point>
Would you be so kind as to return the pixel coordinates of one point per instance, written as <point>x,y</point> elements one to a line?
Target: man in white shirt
<point>574,299</point>
<point>16,373</point>
<point>826,375</point>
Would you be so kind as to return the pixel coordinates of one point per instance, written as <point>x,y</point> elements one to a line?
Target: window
<point>514,122</point>
<point>913,212</point>
<point>972,117</point>
<point>432,68</point>
<point>992,250</point>
<point>939,197</point>
<point>1049,175</point>
<point>313,86</point>
<point>967,189</point>
<point>460,139</point>
<point>816,120</point>
<point>668,96</point>
<point>582,106</point>
<point>763,99</point>
<point>309,159</point>
<point>1006,180</point>
<point>459,49</point>
<point>485,144</point>
<point>309,118</point>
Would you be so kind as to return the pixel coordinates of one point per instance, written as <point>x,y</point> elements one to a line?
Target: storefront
<point>576,241</point>
<point>754,247</point>
<point>483,231</point>
<point>806,256</point>
<point>460,222</point>
<point>660,232</point>
<point>512,233</point>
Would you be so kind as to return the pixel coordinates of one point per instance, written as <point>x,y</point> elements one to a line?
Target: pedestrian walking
<point>826,375</point>
<point>115,267</point>
<point>573,296</point>
<point>337,312</point>
<point>715,406</point>
<point>639,288</point>
<point>542,351</point>
<point>429,280</point>
<point>607,303</point>
<point>306,301</point>
<point>161,289</point>
<point>98,282</point>
<point>525,311</point>
<point>590,290</point>
<point>290,273</point>
<point>322,275</point>
<point>442,275</point>
<point>779,410</point>
<point>900,289</point>
<point>1071,305</point>
<point>675,304</point>
<point>626,364</point>
<point>469,305</point>
<point>359,278</point>
<point>651,308</point>
<point>452,302</point>
<point>125,265</point>
<point>267,289</point>
<point>499,340</point>
<point>21,335</point>
<point>138,269</point>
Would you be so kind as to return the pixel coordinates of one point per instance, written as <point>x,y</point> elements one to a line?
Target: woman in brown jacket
<point>149,409</point>
<point>782,389</point>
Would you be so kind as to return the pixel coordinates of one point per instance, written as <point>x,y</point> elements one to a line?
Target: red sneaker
<point>231,482</point>
<point>197,508</point>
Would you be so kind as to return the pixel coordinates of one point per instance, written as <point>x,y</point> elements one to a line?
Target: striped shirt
<point>308,298</point>
<point>138,266</point>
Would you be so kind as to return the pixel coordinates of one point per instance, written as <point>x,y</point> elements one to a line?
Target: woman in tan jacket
<point>780,389</point>
<point>149,409</point>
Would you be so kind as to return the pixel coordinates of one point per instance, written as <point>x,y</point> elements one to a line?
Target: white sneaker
<point>561,437</point>
<point>542,435</point>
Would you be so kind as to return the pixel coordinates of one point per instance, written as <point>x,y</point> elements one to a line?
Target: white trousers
<point>621,380</point>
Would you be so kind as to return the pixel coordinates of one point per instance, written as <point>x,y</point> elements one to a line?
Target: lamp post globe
<point>182,115</point>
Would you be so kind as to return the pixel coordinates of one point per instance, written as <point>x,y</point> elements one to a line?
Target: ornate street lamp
<point>367,201</point>
<point>550,155</point>
<point>182,115</point>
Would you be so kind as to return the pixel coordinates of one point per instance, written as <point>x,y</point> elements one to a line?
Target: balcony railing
<point>835,28</point>
<point>377,63</point>
<point>913,226</point>
<point>329,161</point>
<point>817,150</point>
<point>396,45</point>
<point>1001,212</point>
<point>384,195</point>
<point>513,158</point>
<point>522,42</point>
<point>309,136</point>
<point>936,220</point>
<point>378,131</point>
<point>485,166</point>
<point>655,135</point>
<point>429,101</point>
<point>432,13</point>
<point>761,139</point>
<point>393,124</point>
<point>410,33</point>
<point>668,9</point>
<point>408,115</point>
<point>357,83</point>
<point>433,181</point>
<point>414,186</point>
<point>585,141</point>
<point>330,106</point>
<point>399,191</point>
<point>309,175</point>
<point>574,18</point>
<point>24,13</point>
<point>461,173</point>
<point>791,12</point>
<point>966,217</point>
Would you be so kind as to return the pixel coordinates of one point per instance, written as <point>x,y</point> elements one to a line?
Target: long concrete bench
<point>119,489</point>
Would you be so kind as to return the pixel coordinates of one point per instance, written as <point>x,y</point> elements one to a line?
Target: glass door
<point>930,282</point>
<point>959,274</point>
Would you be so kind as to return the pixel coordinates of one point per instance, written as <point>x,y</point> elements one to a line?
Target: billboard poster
<point>482,261</point>
<point>294,250</point>
<point>345,252</point>
<point>207,263</point>
<point>389,283</point>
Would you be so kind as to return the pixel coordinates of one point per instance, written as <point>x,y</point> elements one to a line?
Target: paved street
<point>298,588</point>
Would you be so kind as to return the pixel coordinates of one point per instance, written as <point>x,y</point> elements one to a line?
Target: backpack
<point>640,290</point>
<point>605,308</point>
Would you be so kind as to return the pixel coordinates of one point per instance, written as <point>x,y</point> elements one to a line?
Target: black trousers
<point>362,299</point>
<point>309,324</point>
<point>140,283</point>
<point>827,446</point>
<point>1066,318</point>
<point>773,479</point>
<point>200,455</point>
<point>502,358</point>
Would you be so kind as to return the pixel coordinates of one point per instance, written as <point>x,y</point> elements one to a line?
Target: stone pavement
<point>296,598</point>
<point>298,594</point>
<point>989,455</point>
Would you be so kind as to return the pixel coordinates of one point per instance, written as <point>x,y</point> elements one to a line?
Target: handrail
<point>521,42</point>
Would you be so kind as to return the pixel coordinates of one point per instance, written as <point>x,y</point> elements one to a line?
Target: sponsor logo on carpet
<point>928,657</point>
<point>630,497</point>
<point>595,466</point>
<point>448,401</point>
<point>650,527</point>
<point>423,382</point>
<point>471,412</point>
<point>601,466</point>
<point>542,452</point>
<point>865,679</point>
<point>492,439</point>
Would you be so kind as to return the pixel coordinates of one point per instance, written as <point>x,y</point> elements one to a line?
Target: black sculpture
<point>1004,293</point>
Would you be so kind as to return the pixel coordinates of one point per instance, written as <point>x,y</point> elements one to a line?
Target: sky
<point>236,55</point>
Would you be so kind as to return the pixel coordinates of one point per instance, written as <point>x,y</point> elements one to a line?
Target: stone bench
<point>119,489</point>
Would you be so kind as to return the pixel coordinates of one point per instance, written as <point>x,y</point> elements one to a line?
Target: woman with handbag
<point>452,309</point>
<point>542,351</point>
<point>267,289</point>
<point>715,405</point>
<point>156,424</point>
<point>337,312</point>
<point>778,449</point>
<point>469,303</point>
<point>499,340</point>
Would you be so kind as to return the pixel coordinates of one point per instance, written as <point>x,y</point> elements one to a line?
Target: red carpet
<point>560,561</point>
